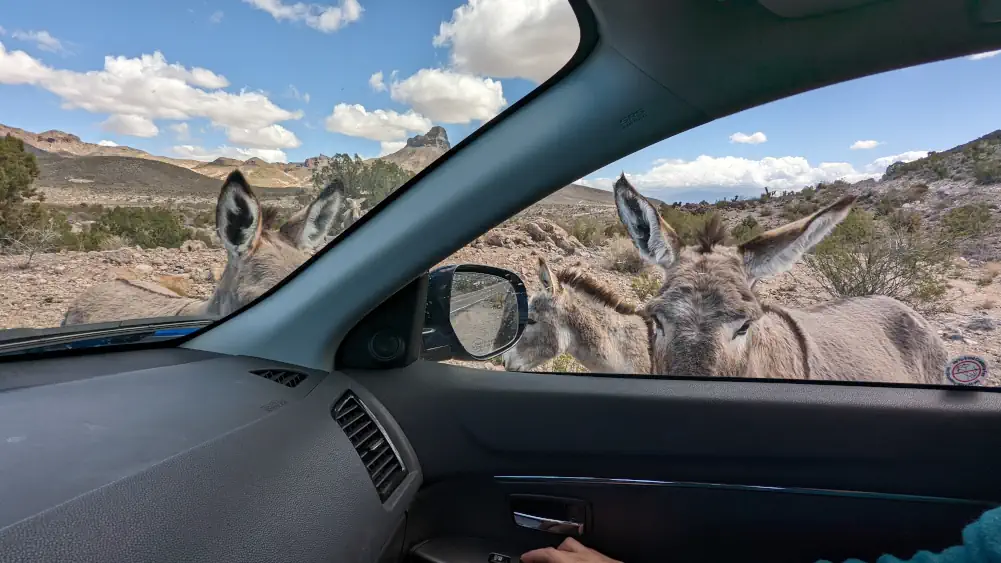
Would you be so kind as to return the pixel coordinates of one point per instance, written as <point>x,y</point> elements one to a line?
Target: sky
<point>285,81</point>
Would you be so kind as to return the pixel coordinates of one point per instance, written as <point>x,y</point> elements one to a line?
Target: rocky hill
<point>421,150</point>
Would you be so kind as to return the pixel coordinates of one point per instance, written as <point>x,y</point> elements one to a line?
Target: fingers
<point>546,555</point>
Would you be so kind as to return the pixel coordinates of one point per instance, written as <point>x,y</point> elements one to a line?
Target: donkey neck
<point>603,340</point>
<point>779,348</point>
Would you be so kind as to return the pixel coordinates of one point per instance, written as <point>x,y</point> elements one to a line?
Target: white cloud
<point>199,153</point>
<point>745,139</point>
<point>270,137</point>
<point>294,93</point>
<point>450,97</point>
<point>132,125</point>
<point>181,131</point>
<point>735,174</point>
<point>2,30</point>
<point>376,82</point>
<point>216,16</point>
<point>42,39</point>
<point>377,125</point>
<point>864,145</point>
<point>879,165</point>
<point>317,16</point>
<point>147,87</point>
<point>389,147</point>
<point>981,56</point>
<point>107,143</point>
<point>528,39</point>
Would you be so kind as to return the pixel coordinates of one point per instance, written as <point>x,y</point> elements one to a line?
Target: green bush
<point>862,258</point>
<point>623,256</point>
<point>589,230</point>
<point>645,286</point>
<point>798,209</point>
<point>987,172</point>
<point>747,229</point>
<point>904,220</point>
<point>686,224</point>
<point>148,227</point>
<point>971,220</point>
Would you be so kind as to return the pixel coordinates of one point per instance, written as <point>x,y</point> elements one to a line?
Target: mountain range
<point>67,161</point>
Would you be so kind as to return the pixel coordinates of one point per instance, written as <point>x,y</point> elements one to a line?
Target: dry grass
<point>113,242</point>
<point>986,304</point>
<point>623,257</point>
<point>991,271</point>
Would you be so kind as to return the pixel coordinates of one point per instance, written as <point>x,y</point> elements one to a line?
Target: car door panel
<point>780,470</point>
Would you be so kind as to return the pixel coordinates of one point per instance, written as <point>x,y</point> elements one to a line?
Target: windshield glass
<point>176,169</point>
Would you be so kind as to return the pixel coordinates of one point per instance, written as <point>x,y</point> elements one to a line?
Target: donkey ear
<point>320,216</point>
<point>238,216</point>
<point>654,238</point>
<point>776,251</point>
<point>549,280</point>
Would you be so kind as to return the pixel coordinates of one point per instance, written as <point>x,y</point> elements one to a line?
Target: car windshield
<point>156,177</point>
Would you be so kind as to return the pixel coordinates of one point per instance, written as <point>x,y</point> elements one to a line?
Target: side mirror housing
<point>473,312</point>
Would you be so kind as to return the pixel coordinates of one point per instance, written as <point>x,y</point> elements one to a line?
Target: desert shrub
<point>807,193</point>
<point>588,229</point>
<point>916,192</point>
<point>565,363</point>
<point>798,209</point>
<point>686,224</point>
<point>766,212</point>
<point>111,242</point>
<point>623,256</point>
<point>615,228</point>
<point>203,219</point>
<point>148,227</point>
<point>971,220</point>
<point>747,229</point>
<point>863,258</point>
<point>991,271</point>
<point>904,220</point>
<point>645,286</point>
<point>987,172</point>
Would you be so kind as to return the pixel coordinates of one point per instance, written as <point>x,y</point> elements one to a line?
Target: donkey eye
<point>743,329</point>
<point>530,321</point>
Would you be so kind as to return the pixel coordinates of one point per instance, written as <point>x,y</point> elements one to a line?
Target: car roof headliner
<point>723,56</point>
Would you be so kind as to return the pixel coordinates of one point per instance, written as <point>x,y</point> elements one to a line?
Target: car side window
<point>848,234</point>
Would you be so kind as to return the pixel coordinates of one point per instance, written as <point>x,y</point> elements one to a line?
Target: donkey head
<point>258,257</point>
<point>545,335</point>
<point>704,321</point>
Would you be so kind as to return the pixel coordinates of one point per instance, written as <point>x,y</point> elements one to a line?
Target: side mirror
<point>473,312</point>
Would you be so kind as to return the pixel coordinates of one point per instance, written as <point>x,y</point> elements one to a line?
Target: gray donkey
<point>575,314</point>
<point>707,321</point>
<point>257,259</point>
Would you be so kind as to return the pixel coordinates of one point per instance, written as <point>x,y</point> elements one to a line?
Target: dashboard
<point>168,454</point>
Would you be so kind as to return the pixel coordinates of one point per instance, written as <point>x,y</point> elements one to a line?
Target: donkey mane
<point>586,284</point>
<point>711,233</point>
<point>269,217</point>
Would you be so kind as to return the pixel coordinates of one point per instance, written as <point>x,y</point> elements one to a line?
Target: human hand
<point>570,551</point>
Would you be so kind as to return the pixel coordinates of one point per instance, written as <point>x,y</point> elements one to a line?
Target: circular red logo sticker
<point>966,370</point>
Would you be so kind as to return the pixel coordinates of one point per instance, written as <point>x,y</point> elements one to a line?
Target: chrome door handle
<point>563,527</point>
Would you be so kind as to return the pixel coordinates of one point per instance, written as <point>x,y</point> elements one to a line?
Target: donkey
<point>707,321</point>
<point>574,313</point>
<point>257,259</point>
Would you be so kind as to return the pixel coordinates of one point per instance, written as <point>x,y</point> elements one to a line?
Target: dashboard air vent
<point>377,453</point>
<point>285,377</point>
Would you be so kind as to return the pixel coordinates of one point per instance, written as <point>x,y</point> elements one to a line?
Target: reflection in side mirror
<point>473,312</point>
<point>483,312</point>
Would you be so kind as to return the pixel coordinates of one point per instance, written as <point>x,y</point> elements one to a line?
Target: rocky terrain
<point>575,226</point>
